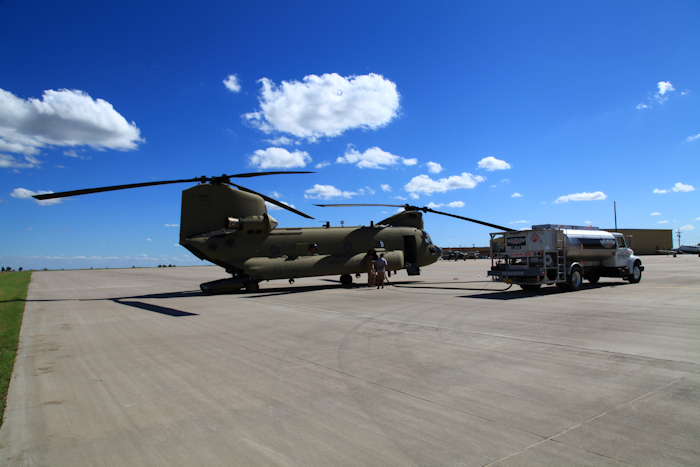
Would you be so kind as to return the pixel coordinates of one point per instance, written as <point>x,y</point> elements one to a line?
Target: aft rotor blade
<point>257,174</point>
<point>221,179</point>
<point>470,220</point>
<point>88,191</point>
<point>273,201</point>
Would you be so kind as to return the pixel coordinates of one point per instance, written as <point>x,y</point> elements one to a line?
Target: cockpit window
<point>427,238</point>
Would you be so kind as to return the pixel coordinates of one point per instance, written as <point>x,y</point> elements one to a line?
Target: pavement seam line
<point>551,438</point>
<point>501,336</point>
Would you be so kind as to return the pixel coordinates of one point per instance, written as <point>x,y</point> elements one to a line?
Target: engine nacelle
<point>254,225</point>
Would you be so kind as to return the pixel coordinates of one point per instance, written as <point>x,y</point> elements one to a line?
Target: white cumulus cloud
<point>7,161</point>
<point>687,227</point>
<point>664,87</point>
<point>63,118</point>
<point>282,141</point>
<point>327,192</point>
<point>232,84</point>
<point>516,195</point>
<point>23,193</point>
<point>278,158</point>
<point>326,105</point>
<point>680,187</point>
<point>453,204</point>
<point>373,158</point>
<point>385,187</point>
<point>692,138</point>
<point>425,184</point>
<point>491,163</point>
<point>655,214</point>
<point>274,207</point>
<point>657,191</point>
<point>598,195</point>
<point>434,168</point>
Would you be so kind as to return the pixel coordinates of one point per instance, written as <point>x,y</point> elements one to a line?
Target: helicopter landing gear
<point>291,280</point>
<point>358,275</point>
<point>252,287</point>
<point>346,279</point>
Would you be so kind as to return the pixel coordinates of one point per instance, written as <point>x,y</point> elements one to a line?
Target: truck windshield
<point>620,241</point>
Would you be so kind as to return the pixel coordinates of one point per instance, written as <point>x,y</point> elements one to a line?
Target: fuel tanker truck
<point>564,255</point>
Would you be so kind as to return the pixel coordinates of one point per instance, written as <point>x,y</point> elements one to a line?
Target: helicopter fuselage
<point>287,253</point>
<point>232,229</point>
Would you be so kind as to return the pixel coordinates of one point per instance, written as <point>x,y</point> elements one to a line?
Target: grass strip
<point>13,294</point>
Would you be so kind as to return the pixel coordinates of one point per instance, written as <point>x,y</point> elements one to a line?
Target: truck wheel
<point>575,280</point>
<point>636,275</point>
<point>530,287</point>
<point>593,279</point>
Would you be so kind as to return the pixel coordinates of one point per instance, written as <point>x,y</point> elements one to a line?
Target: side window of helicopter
<point>427,239</point>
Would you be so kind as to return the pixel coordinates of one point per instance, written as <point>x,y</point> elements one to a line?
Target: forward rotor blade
<point>408,207</point>
<point>88,191</point>
<point>353,205</point>
<point>273,201</point>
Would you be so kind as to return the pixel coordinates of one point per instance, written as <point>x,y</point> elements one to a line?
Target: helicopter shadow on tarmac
<point>286,290</point>
<point>133,302</point>
<point>154,308</point>
<point>543,292</point>
<point>334,284</point>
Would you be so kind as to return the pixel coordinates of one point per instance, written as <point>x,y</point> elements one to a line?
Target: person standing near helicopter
<point>380,264</point>
<point>371,273</point>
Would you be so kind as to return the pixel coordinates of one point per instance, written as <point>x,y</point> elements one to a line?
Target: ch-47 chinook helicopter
<point>232,229</point>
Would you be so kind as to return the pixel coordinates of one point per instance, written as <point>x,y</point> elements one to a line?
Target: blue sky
<point>515,113</point>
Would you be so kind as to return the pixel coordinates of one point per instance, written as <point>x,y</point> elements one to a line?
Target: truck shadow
<point>517,293</point>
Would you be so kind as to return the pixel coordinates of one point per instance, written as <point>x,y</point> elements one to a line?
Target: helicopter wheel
<point>346,279</point>
<point>291,281</point>
<point>252,287</point>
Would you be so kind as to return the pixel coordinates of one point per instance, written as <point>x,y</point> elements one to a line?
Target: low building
<point>644,242</point>
<point>647,241</point>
